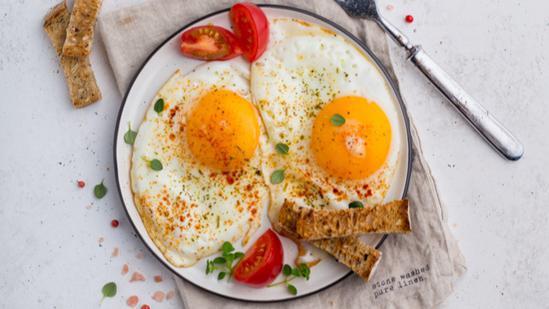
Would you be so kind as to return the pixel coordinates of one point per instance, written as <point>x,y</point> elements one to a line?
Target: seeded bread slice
<point>80,79</point>
<point>350,251</point>
<point>353,253</point>
<point>81,28</point>
<point>315,224</point>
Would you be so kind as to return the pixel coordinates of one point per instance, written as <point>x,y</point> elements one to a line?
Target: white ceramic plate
<point>155,71</point>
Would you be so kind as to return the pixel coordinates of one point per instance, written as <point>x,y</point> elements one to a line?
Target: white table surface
<point>498,210</point>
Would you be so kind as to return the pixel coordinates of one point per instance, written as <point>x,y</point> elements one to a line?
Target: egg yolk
<point>351,137</point>
<point>223,130</point>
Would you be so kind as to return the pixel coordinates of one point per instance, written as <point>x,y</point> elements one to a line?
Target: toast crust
<point>80,29</point>
<point>313,224</point>
<point>350,251</point>
<point>83,89</point>
<point>353,253</point>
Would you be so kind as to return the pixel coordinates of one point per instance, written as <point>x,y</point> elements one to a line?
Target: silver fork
<point>486,125</point>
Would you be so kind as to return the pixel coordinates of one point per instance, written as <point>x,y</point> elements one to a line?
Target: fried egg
<point>324,98</point>
<point>210,187</point>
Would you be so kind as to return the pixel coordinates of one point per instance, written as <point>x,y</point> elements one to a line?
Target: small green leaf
<point>229,260</point>
<point>356,204</point>
<point>227,247</point>
<point>155,165</point>
<point>221,275</point>
<point>100,190</point>
<point>238,255</point>
<point>277,177</point>
<point>287,270</point>
<point>208,267</point>
<point>219,260</point>
<point>296,272</point>
<point>282,148</point>
<point>130,136</point>
<point>159,106</point>
<point>337,120</point>
<point>292,289</point>
<point>109,290</point>
<point>304,270</point>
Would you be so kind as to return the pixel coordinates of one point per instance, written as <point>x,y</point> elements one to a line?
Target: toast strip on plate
<point>80,79</point>
<point>350,251</point>
<point>315,224</point>
<point>353,253</point>
<point>81,28</point>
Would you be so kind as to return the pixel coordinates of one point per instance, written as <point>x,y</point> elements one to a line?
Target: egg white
<point>188,209</point>
<point>304,68</point>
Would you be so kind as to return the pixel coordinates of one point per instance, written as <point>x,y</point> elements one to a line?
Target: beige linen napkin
<point>417,270</point>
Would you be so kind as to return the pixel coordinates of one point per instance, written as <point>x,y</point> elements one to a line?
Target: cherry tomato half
<point>209,43</point>
<point>251,28</point>
<point>262,262</point>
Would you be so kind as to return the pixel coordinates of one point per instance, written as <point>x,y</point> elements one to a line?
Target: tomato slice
<point>262,263</point>
<point>209,43</point>
<point>251,28</point>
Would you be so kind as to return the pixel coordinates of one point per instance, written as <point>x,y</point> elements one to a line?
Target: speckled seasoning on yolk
<point>360,146</point>
<point>223,130</point>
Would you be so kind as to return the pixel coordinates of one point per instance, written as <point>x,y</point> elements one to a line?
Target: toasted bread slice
<point>315,224</point>
<point>80,79</point>
<point>350,251</point>
<point>353,253</point>
<point>81,28</point>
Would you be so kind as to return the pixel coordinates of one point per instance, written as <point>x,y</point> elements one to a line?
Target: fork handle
<point>486,124</point>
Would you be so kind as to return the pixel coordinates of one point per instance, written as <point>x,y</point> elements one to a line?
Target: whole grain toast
<point>79,76</point>
<point>350,251</point>
<point>315,224</point>
<point>353,253</point>
<point>80,29</point>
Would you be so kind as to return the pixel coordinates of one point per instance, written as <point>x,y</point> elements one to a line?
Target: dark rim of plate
<point>392,83</point>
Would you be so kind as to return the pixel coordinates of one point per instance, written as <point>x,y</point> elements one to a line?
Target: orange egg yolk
<point>351,137</point>
<point>223,130</point>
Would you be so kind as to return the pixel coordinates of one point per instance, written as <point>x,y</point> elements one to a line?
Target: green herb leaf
<point>356,204</point>
<point>219,260</point>
<point>238,255</point>
<point>159,106</point>
<point>277,177</point>
<point>109,290</point>
<point>337,120</point>
<point>155,165</point>
<point>304,270</point>
<point>287,270</point>
<point>209,267</point>
<point>227,247</point>
<point>100,190</point>
<point>282,148</point>
<point>221,275</point>
<point>292,289</point>
<point>130,135</point>
<point>296,272</point>
<point>229,257</point>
